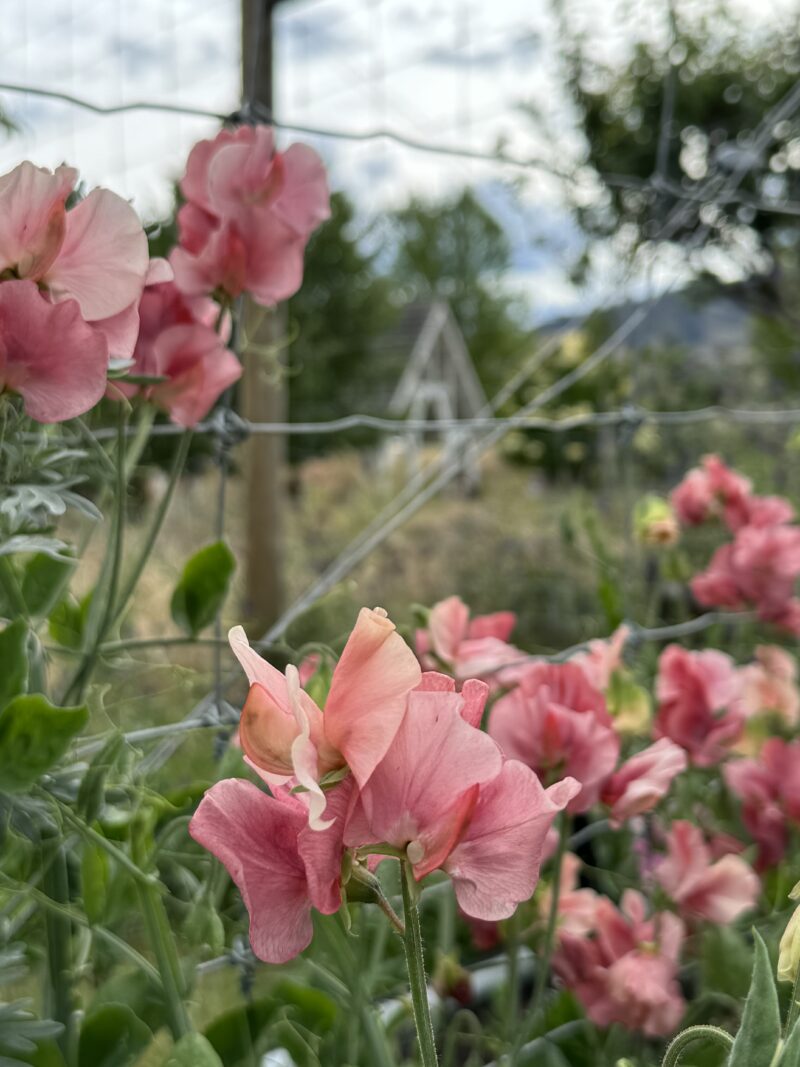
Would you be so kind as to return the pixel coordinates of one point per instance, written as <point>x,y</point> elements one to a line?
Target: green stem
<point>691,1037</point>
<point>794,1005</point>
<point>178,464</point>
<point>543,964</point>
<point>415,962</point>
<point>10,586</point>
<point>162,943</point>
<point>512,949</point>
<point>58,993</point>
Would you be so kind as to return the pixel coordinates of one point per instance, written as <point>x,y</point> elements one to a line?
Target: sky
<point>451,72</point>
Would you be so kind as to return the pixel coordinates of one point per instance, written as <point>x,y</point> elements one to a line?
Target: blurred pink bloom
<point>469,648</point>
<point>49,354</point>
<point>249,213</point>
<point>602,658</point>
<point>700,706</point>
<point>643,780</point>
<point>627,972</point>
<point>281,866</point>
<point>557,723</point>
<point>770,684</point>
<point>577,908</point>
<point>769,789</point>
<point>444,795</point>
<point>286,735</point>
<point>718,892</point>
<point>710,490</point>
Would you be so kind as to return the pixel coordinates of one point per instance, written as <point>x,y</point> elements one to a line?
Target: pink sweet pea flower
<point>602,658</point>
<point>717,892</point>
<point>444,795</point>
<point>577,908</point>
<point>709,490</point>
<point>49,354</point>
<point>557,724</point>
<point>286,735</point>
<point>627,972</point>
<point>280,865</point>
<point>469,648</point>
<point>700,706</point>
<point>249,213</point>
<point>770,684</point>
<point>769,789</point>
<point>643,780</point>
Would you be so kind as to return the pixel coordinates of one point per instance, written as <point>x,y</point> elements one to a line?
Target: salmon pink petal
<point>431,847</point>
<point>495,866</point>
<point>499,625</point>
<point>199,369</point>
<point>323,850</point>
<point>274,256</point>
<point>447,625</point>
<point>643,780</point>
<point>367,698</point>
<point>304,201</point>
<point>103,261</point>
<point>258,670</point>
<point>474,693</point>
<point>222,263</point>
<point>33,217</point>
<point>194,183</point>
<point>49,354</point>
<point>256,838</point>
<point>304,754</point>
<point>267,732</point>
<point>120,332</point>
<point>158,271</point>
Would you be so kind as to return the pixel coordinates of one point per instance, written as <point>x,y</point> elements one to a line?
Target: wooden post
<point>262,400</point>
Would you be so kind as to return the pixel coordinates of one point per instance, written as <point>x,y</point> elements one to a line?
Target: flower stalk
<point>415,962</point>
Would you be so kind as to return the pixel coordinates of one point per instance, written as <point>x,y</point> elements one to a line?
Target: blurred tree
<point>459,252</point>
<point>679,102</point>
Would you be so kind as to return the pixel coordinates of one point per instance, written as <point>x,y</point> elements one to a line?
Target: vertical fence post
<point>262,399</point>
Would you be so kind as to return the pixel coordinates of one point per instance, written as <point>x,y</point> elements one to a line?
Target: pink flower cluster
<point>409,771</point>
<point>82,276</point>
<point>467,648</point>
<point>768,787</point>
<point>759,568</point>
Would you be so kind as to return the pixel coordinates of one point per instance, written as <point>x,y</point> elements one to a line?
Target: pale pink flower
<point>718,892</point>
<point>249,213</point>
<point>469,648</point>
<point>710,490</point>
<point>603,658</point>
<point>769,789</point>
<point>557,723</point>
<point>770,684</point>
<point>577,908</point>
<point>280,865</point>
<point>700,708</point>
<point>643,780</point>
<point>626,972</point>
<point>287,736</point>
<point>445,796</point>
<point>49,354</point>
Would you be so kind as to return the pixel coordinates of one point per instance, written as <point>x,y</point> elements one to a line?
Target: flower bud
<point>654,522</point>
<point>789,951</point>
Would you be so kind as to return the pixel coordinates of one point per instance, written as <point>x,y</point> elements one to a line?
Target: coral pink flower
<point>627,972</point>
<point>769,789</point>
<point>469,648</point>
<point>444,795</point>
<point>249,213</point>
<point>709,490</point>
<point>286,735</point>
<point>96,253</point>
<point>577,908</point>
<point>602,658</point>
<point>643,780</point>
<point>700,707</point>
<point>49,354</point>
<point>557,723</point>
<point>770,684</point>
<point>281,866</point>
<point>717,892</point>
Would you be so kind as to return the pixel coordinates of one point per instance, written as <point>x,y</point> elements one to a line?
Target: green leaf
<point>202,587</point>
<point>43,583</point>
<point>92,788</point>
<point>112,1036</point>
<point>193,1050</point>
<point>790,1055</point>
<point>136,989</point>
<point>67,622</point>
<point>94,881</point>
<point>34,734</point>
<point>13,661</point>
<point>726,961</point>
<point>760,1030</point>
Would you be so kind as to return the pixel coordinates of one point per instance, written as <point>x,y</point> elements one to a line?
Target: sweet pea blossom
<point>177,341</point>
<point>445,796</point>
<point>769,790</point>
<point>88,262</point>
<point>643,780</point>
<point>718,892</point>
<point>602,658</point>
<point>557,723</point>
<point>248,215</point>
<point>699,702</point>
<point>627,971</point>
<point>769,685</point>
<point>286,735</point>
<point>281,866</point>
<point>577,907</point>
<point>469,648</point>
